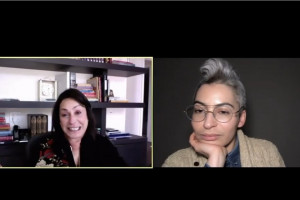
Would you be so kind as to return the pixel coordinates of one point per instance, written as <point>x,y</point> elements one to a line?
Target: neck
<point>75,144</point>
<point>76,155</point>
<point>75,148</point>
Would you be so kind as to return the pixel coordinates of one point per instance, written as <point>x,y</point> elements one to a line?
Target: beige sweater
<point>253,153</point>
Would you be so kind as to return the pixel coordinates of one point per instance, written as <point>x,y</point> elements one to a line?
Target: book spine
<point>6,138</point>
<point>118,134</point>
<point>39,124</point>
<point>33,125</point>
<point>5,133</point>
<point>45,124</point>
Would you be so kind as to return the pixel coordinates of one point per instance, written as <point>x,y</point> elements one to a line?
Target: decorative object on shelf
<point>47,90</point>
<point>111,93</point>
<point>117,100</point>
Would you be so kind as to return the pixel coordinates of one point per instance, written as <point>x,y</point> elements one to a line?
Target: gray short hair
<point>216,70</point>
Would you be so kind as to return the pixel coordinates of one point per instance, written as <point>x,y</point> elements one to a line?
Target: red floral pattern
<point>49,158</point>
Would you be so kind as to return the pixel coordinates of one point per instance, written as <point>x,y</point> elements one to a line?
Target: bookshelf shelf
<point>26,104</point>
<point>117,105</point>
<point>79,66</point>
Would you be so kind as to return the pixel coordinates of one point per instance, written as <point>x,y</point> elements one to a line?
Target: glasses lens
<point>223,113</point>
<point>195,113</point>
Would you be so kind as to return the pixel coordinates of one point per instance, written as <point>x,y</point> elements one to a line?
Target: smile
<point>74,128</point>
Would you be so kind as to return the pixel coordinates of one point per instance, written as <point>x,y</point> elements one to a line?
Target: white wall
<point>132,89</point>
<point>22,84</point>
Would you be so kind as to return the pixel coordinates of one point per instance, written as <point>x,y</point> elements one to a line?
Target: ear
<point>242,119</point>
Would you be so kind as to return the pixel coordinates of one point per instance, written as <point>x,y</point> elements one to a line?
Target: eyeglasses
<point>222,113</point>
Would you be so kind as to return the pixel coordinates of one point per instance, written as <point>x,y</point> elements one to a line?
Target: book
<point>4,126</point>
<point>44,124</point>
<point>6,138</point>
<point>94,81</point>
<point>119,101</point>
<point>64,81</point>
<point>119,137</point>
<point>7,142</point>
<point>72,80</point>
<point>38,124</point>
<point>118,134</point>
<point>111,130</point>
<point>105,88</point>
<point>32,125</point>
<point>5,133</point>
<point>120,62</point>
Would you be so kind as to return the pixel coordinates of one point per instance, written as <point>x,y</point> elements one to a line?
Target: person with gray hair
<point>217,115</point>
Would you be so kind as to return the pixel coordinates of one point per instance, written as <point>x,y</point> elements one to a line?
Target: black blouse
<point>98,152</point>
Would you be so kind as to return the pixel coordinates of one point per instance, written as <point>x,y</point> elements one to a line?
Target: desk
<point>133,150</point>
<point>13,155</point>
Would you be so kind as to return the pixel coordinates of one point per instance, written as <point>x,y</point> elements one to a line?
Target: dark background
<point>273,110</point>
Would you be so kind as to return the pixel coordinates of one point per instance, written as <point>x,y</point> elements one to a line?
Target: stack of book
<point>89,91</point>
<point>98,60</point>
<point>121,62</point>
<point>116,134</point>
<point>100,86</point>
<point>6,135</point>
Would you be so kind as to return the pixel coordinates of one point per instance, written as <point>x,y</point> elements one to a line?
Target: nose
<point>72,119</point>
<point>209,120</point>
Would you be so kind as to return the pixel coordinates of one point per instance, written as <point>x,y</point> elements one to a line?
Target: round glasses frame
<point>192,107</point>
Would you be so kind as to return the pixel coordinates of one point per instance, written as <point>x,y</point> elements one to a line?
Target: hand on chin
<point>215,154</point>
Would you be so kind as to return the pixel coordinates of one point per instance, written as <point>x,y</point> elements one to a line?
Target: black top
<point>93,153</point>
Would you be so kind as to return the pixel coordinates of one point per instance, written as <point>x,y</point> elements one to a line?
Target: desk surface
<point>132,139</point>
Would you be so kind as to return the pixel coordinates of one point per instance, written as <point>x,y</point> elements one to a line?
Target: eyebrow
<point>72,108</point>
<point>221,104</point>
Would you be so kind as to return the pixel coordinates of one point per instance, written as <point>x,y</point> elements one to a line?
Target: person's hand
<point>216,155</point>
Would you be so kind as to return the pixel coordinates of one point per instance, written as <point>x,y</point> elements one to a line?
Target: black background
<point>162,30</point>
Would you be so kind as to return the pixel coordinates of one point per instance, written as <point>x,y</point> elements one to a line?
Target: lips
<point>209,137</point>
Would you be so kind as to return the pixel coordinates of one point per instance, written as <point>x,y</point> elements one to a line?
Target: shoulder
<point>35,145</point>
<point>255,142</point>
<point>260,143</point>
<point>184,158</point>
<point>261,152</point>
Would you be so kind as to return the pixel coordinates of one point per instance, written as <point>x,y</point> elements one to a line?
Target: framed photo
<point>47,90</point>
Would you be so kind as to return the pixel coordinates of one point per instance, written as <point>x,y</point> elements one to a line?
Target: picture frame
<point>47,90</point>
